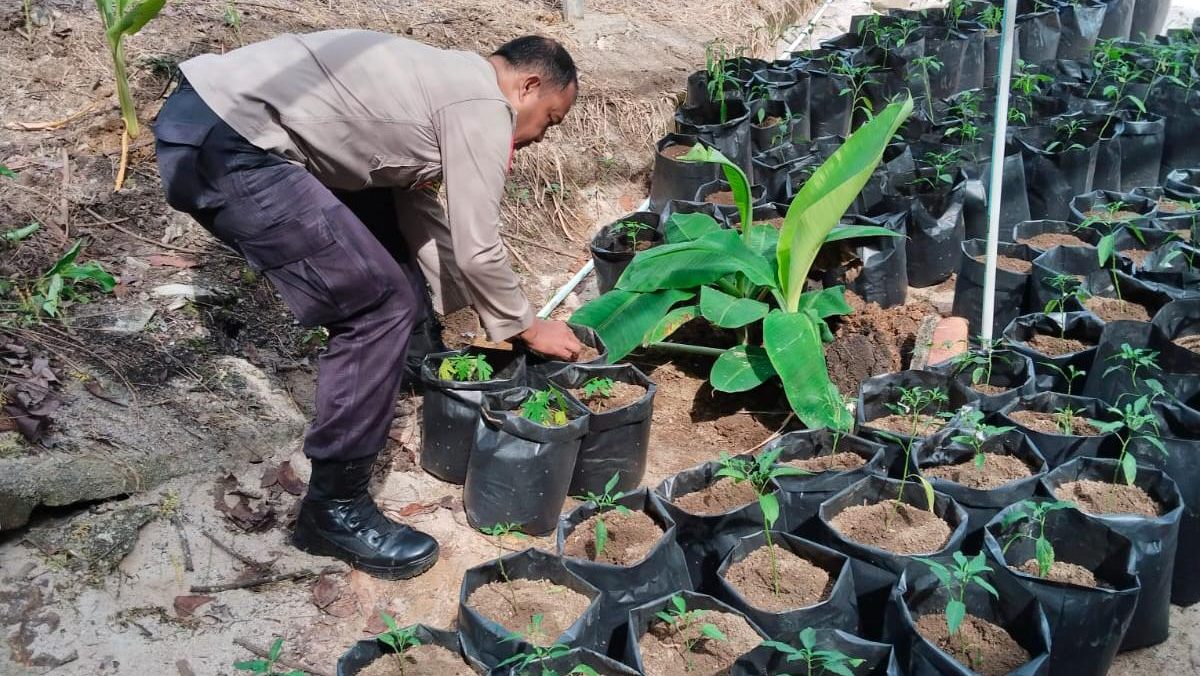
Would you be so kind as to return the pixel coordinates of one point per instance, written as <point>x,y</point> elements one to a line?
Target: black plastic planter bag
<point>642,617</point>
<point>766,136</point>
<point>623,588</point>
<point>1184,184</point>
<point>771,168</point>
<point>520,471</point>
<point>1118,19</point>
<point>950,49</point>
<point>1081,24</point>
<point>935,233</point>
<point>1009,369</point>
<point>367,651</point>
<point>485,642</point>
<point>1086,623</point>
<point>616,441</point>
<point>757,196</point>
<point>731,137</point>
<point>1059,449</point>
<point>1030,229</point>
<point>1174,269</point>
<point>1107,174</point>
<point>830,110</point>
<point>613,251</point>
<point>875,394</point>
<point>792,87</point>
<point>802,495</point>
<point>1142,151</point>
<point>1149,17</point>
<point>896,171</point>
<point>1012,288</point>
<point>878,265</point>
<point>1099,199</point>
<point>1017,611</point>
<point>707,538</point>
<point>1054,177</point>
<point>563,664</point>
<point>1082,326</point>
<point>1154,541</point>
<point>838,610</point>
<point>1182,109</point>
<point>539,368</point>
<point>674,180</point>
<point>1108,284</point>
<point>878,658</point>
<point>980,504</point>
<point>1178,374</point>
<point>1038,35</point>
<point>1014,196</point>
<point>1060,260</point>
<point>690,207</point>
<point>451,410</point>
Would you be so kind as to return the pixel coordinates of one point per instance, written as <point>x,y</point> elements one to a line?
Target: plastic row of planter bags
<point>1028,509</point>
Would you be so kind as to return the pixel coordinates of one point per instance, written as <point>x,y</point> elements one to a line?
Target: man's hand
<point>552,339</point>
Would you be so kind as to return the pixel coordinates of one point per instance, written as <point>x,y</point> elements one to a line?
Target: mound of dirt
<point>872,341</point>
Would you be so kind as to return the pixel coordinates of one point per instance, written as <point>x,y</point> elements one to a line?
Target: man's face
<point>540,105</point>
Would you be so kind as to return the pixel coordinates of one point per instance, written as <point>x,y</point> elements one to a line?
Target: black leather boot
<point>338,518</point>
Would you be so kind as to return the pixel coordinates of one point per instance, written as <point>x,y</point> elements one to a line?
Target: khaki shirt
<point>361,109</point>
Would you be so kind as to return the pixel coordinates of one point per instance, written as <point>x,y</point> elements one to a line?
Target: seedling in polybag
<point>980,362</point>
<point>759,472</point>
<point>630,229</point>
<point>928,64</point>
<point>602,387</point>
<point>527,663</point>
<point>1069,374</point>
<point>817,662</point>
<point>1134,421</point>
<point>1035,512</point>
<point>977,433</point>
<point>682,621</point>
<point>715,60</point>
<point>466,368</point>
<point>266,667</point>
<point>398,639</point>
<point>859,76</point>
<point>605,502</point>
<point>1134,361</point>
<point>498,532</point>
<point>956,580</point>
<point>942,166</point>
<point>1068,287</point>
<point>547,408</point>
<point>992,18</point>
<point>912,404</point>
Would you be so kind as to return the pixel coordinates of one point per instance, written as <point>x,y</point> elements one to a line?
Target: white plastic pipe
<point>1007,39</point>
<point>566,289</point>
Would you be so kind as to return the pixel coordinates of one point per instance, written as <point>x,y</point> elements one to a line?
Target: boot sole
<point>319,547</point>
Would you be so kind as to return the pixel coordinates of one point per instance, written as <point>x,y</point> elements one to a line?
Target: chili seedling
<point>977,433</point>
<point>605,502</point>
<point>715,62</point>
<point>498,532</point>
<point>941,166</point>
<point>1069,288</point>
<point>466,368</point>
<point>398,639</point>
<point>1132,361</point>
<point>955,581</point>
<point>266,666</point>
<point>547,408</point>
<point>1133,421</point>
<point>602,387</point>
<point>980,362</point>
<point>1035,512</point>
<point>681,620</point>
<point>928,64</point>
<point>522,662</point>
<point>817,662</point>
<point>630,230</point>
<point>912,404</point>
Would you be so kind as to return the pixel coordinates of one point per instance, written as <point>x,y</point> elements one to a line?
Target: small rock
<point>130,320</point>
<point>190,292</point>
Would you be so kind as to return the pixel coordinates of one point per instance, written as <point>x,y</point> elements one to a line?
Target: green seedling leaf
<point>741,368</point>
<point>6,172</point>
<point>711,631</point>
<point>729,312</point>
<point>956,611</point>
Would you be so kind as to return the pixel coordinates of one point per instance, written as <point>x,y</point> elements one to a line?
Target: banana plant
<point>736,278</point>
<point>123,18</point>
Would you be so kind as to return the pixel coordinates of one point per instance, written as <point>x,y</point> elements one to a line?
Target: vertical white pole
<point>1007,39</point>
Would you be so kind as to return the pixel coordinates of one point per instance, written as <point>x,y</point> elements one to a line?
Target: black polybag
<point>1009,369</point>
<point>1178,372</point>
<point>451,410</point>
<point>803,494</point>
<point>1181,107</point>
<point>1030,229</point>
<point>1149,17</point>
<point>1011,288</point>
<point>1117,19</point>
<point>1057,175</point>
<point>1062,260</point>
<point>1014,195</point>
<point>642,617</point>
<point>935,233</point>
<point>1109,284</point>
<point>1059,449</point>
<point>1086,623</point>
<point>830,110</point>
<point>1154,541</point>
<point>707,538</point>
<point>520,471</point>
<point>1016,611</point>
<point>1082,326</point>
<point>674,180</point>
<point>1142,150</point>
<point>368,650</point>
<point>1184,184</point>
<point>771,168</point>
<point>539,368</point>
<point>1038,34</point>
<point>564,663</point>
<point>689,207</point>
<point>731,137</point>
<point>616,441</point>
<point>485,642</point>
<point>1174,269</point>
<point>1081,23</point>
<point>1107,174</point>
<point>878,658</point>
<point>764,136</point>
<point>612,252</point>
<point>757,196</point>
<point>1098,199</point>
<point>874,395</point>
<point>838,610</point>
<point>880,262</point>
<point>622,588</point>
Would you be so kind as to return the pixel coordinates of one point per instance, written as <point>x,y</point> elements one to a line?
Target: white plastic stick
<point>1007,39</point>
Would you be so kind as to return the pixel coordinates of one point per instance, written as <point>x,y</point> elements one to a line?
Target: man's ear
<point>530,85</point>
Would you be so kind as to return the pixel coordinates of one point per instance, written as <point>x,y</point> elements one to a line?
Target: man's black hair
<point>544,55</point>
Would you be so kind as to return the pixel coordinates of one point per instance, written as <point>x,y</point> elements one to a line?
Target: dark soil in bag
<point>815,585</point>
<point>617,437</point>
<point>936,231</point>
<point>710,514</point>
<point>1154,538</point>
<point>1081,24</point>
<point>1141,150</point>
<point>1012,376</point>
<point>1096,207</point>
<point>1013,270</point>
<point>671,179</point>
<point>874,268</point>
<point>653,645</point>
<point>878,658</point>
<point>1045,235</point>
<point>1035,417</point>
<point>445,661</point>
<point>1087,621</point>
<point>1005,635</point>
<point>563,664</point>
<point>520,471</point>
<point>641,560</point>
<point>1079,262</point>
<point>731,137</point>
<point>539,369</point>
<point>1055,343</point>
<point>612,248</point>
<point>831,468</point>
<point>1038,35</point>
<point>451,409</point>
